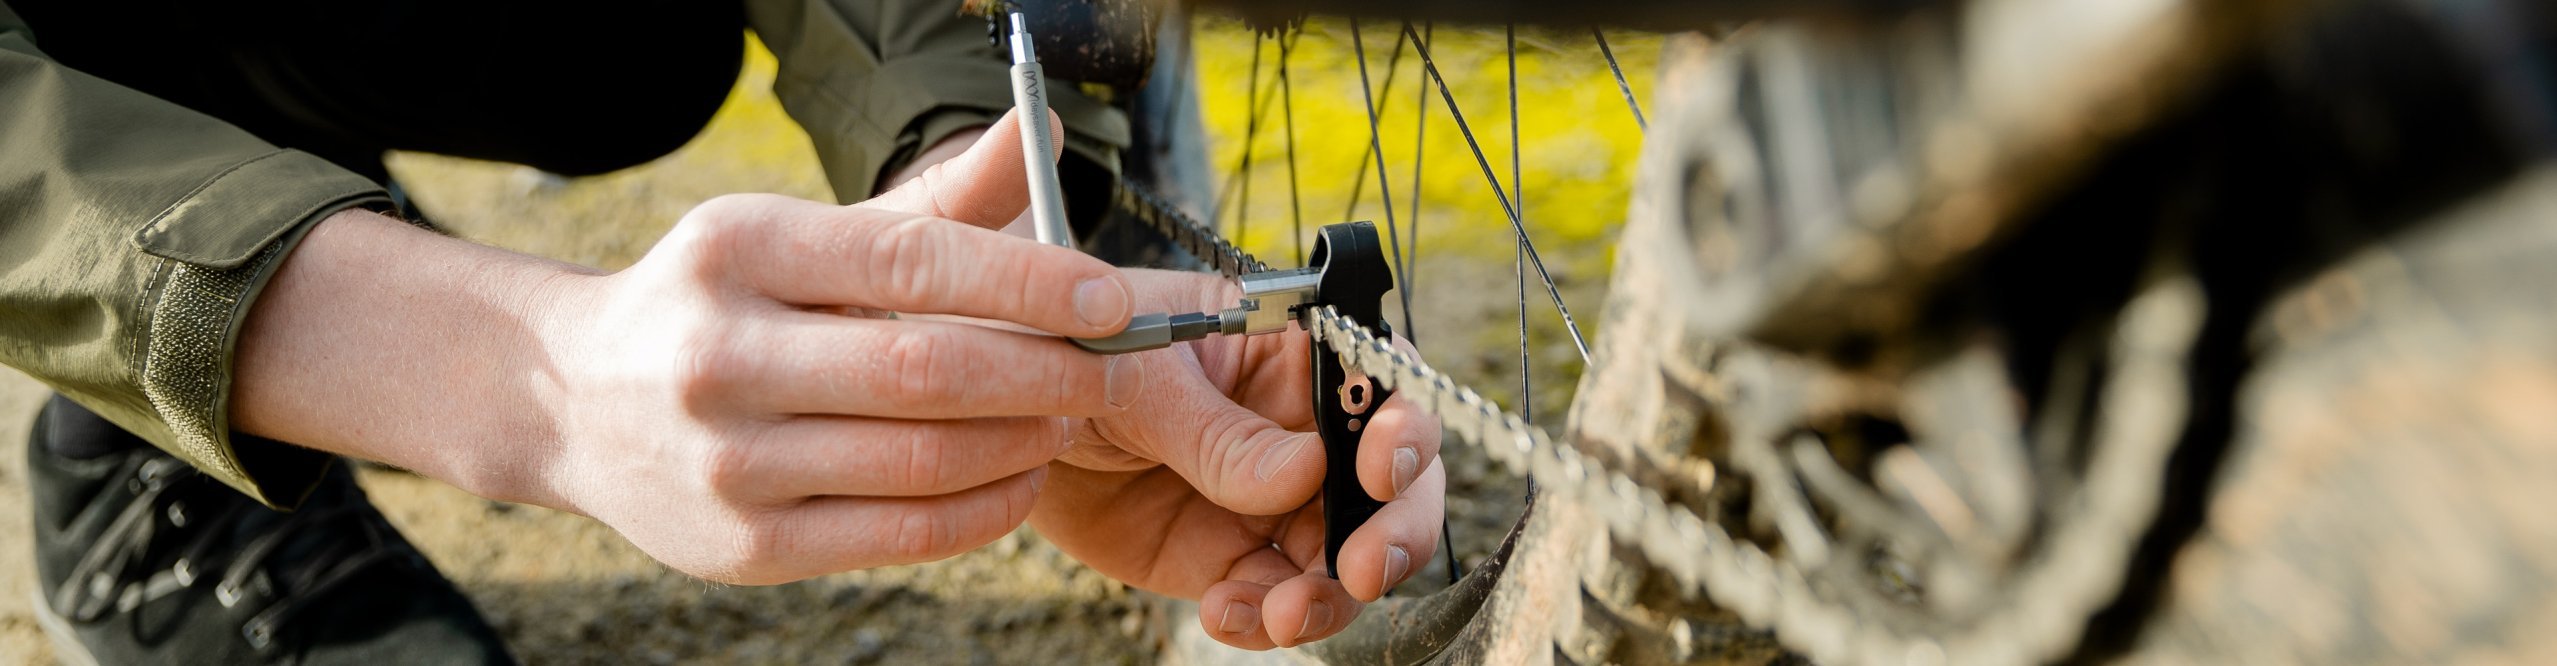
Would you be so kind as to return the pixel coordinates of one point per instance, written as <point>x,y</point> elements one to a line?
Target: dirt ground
<point>564,589</point>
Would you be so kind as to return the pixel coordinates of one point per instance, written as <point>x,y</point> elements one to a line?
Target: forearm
<point>382,341</point>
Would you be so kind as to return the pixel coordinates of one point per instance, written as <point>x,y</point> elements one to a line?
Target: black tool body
<point>1355,278</point>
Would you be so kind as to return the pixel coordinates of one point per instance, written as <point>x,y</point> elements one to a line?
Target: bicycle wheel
<point>1418,626</point>
<point>1995,332</point>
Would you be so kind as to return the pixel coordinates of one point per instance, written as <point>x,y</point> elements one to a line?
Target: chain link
<point>1191,235</point>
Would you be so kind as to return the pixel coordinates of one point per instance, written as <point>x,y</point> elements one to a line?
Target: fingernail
<point>1278,456</point>
<point>1317,618</point>
<point>1239,618</point>
<point>1101,301</point>
<point>1038,479</point>
<point>1407,466</point>
<point>1397,564</point>
<point>1127,374</point>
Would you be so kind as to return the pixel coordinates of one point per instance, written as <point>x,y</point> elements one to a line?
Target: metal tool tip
<point>1021,49</point>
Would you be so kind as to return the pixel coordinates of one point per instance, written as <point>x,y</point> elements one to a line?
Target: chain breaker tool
<point>1344,283</point>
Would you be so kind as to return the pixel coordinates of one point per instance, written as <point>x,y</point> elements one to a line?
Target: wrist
<point>528,399</point>
<point>382,341</point>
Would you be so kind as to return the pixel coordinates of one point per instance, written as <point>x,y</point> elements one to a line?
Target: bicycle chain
<point>1197,238</point>
<point>1668,534</point>
<point>1740,575</point>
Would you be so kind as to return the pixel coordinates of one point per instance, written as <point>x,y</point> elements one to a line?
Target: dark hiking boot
<point>143,560</point>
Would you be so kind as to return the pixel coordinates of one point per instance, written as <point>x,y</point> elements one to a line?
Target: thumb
<point>1235,457</point>
<point>986,186</point>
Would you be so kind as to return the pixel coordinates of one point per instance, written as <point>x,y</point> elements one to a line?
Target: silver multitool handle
<point>1030,95</point>
<point>1047,202</point>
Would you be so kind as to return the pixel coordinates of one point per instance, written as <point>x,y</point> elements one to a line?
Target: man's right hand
<point>737,404</point>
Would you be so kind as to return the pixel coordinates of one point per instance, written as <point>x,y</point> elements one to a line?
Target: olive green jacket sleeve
<point>875,81</point>
<point>134,234</point>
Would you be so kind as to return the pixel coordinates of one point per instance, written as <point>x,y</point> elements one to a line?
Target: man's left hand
<point>1207,486</point>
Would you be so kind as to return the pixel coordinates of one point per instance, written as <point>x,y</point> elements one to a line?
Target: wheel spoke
<point>1259,100</point>
<point>1251,144</point>
<point>1420,157</point>
<point>1287,110</point>
<point>1620,79</point>
<point>1429,66</point>
<point>1376,147</point>
<point>1518,260</point>
<point>1358,182</point>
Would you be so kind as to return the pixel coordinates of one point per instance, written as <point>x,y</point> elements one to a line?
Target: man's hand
<point>1202,490</point>
<point>733,404</point>
<point>1207,487</point>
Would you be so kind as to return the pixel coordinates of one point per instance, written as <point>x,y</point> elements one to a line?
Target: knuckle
<point>1072,381</point>
<point>919,537</point>
<point>704,367</point>
<point>934,178</point>
<point>920,362</point>
<point>900,257</point>
<point>720,219</point>
<point>763,545</point>
<point>1228,443</point>
<point>1022,290</point>
<point>925,467</point>
<point>728,468</point>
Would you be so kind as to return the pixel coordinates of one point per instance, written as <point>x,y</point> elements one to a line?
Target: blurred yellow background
<point>1579,138</point>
